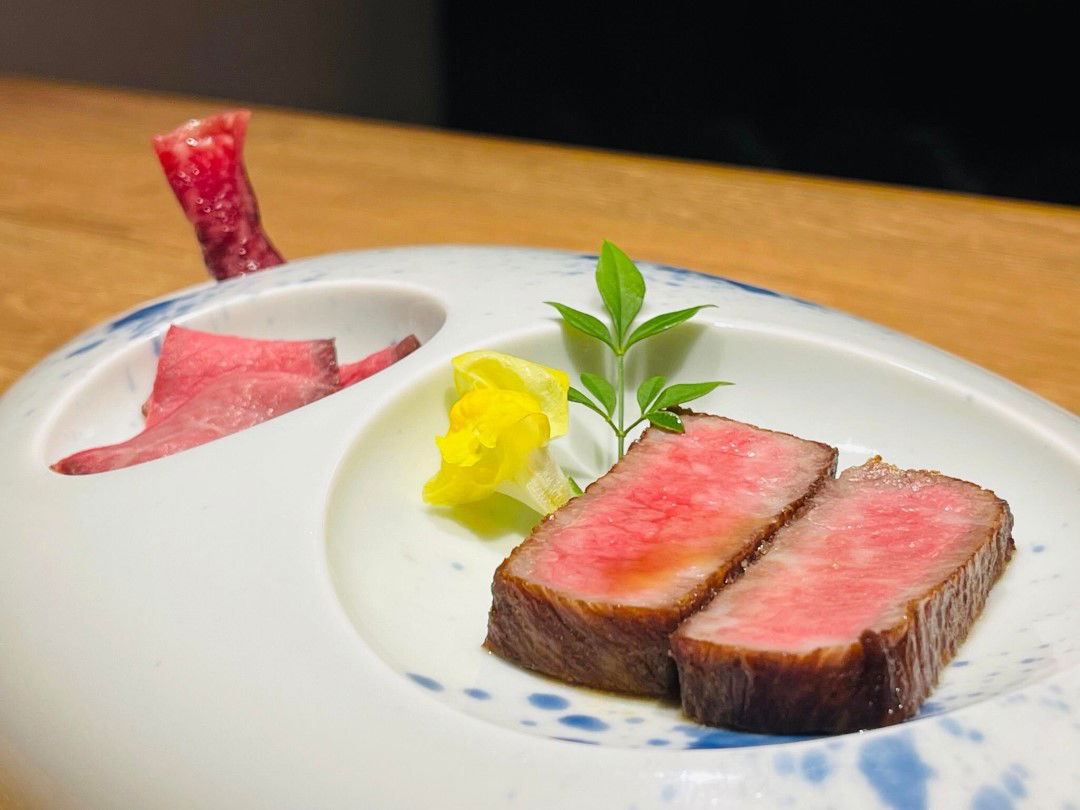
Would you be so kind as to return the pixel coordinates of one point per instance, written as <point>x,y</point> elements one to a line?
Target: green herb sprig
<point>622,289</point>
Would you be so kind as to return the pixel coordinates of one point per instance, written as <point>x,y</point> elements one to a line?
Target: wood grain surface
<point>88,226</point>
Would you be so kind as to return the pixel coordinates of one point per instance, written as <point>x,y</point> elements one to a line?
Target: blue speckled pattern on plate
<point>277,620</point>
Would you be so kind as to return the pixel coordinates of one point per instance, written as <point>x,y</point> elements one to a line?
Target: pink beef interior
<point>377,361</point>
<point>190,360</point>
<point>874,539</point>
<point>208,386</point>
<point>229,403</point>
<point>674,510</point>
<point>204,164</point>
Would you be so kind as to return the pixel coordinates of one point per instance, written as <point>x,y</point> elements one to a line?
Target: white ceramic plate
<point>277,620</point>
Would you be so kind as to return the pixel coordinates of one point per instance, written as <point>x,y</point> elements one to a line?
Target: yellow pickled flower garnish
<point>499,430</point>
<point>488,369</point>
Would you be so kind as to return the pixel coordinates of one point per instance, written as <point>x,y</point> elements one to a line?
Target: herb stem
<point>612,425</point>
<point>622,288</point>
<point>620,397</point>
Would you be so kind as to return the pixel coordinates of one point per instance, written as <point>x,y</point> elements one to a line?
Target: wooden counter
<point>88,226</point>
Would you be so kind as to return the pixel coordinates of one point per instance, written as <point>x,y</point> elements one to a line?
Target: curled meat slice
<point>230,403</point>
<point>190,360</point>
<point>204,164</point>
<point>377,361</point>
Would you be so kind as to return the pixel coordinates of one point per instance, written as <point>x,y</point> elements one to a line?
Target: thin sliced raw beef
<point>377,361</point>
<point>848,619</point>
<point>229,403</point>
<point>204,164</point>
<point>593,594</point>
<point>190,360</point>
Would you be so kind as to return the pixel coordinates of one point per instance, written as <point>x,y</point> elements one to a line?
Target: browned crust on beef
<point>607,646</point>
<point>880,680</point>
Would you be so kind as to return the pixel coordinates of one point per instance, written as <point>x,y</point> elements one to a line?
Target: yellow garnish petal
<point>488,369</point>
<point>498,433</point>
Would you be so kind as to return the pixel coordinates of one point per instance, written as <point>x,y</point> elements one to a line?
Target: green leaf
<point>574,487</point>
<point>601,389</point>
<point>661,323</point>
<point>584,322</point>
<point>621,286</point>
<point>666,420</point>
<point>647,392</point>
<point>684,392</point>
<point>573,395</point>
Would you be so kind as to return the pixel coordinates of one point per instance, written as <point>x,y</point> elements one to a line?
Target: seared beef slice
<point>849,618</point>
<point>593,594</point>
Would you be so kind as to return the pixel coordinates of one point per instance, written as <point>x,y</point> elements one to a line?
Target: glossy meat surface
<point>190,360</point>
<point>232,402</point>
<point>872,541</point>
<point>376,361</point>
<point>847,621</point>
<point>672,512</point>
<point>593,594</point>
<point>203,161</point>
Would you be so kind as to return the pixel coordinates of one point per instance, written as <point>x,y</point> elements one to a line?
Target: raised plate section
<point>362,317</point>
<point>415,580</point>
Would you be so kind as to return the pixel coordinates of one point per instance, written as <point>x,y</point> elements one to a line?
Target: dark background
<point>976,97</point>
<point>964,96</point>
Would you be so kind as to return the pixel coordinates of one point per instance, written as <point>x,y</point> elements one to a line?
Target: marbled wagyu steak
<point>593,594</point>
<point>846,622</point>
